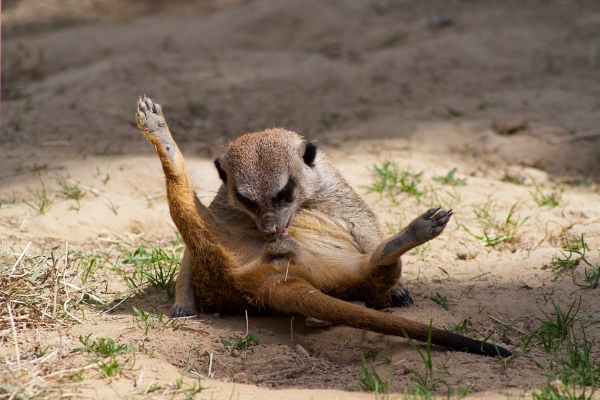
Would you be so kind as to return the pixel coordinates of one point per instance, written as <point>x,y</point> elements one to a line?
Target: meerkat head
<point>269,175</point>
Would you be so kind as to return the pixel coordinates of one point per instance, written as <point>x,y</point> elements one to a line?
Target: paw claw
<point>431,223</point>
<point>400,296</point>
<point>179,311</point>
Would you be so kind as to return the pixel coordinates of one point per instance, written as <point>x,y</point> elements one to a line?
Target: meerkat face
<point>269,175</point>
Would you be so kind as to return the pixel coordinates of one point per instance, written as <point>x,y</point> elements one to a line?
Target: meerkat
<point>287,234</point>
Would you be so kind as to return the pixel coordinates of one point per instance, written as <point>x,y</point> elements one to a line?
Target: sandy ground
<point>370,82</point>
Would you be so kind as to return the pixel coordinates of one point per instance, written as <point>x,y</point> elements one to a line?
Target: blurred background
<point>511,82</point>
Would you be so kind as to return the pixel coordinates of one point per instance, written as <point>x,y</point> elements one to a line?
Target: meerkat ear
<point>222,173</point>
<point>310,152</point>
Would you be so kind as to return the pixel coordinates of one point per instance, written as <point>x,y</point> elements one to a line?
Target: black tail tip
<point>493,350</point>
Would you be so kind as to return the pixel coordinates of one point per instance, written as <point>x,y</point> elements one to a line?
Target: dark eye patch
<point>249,204</point>
<point>286,194</point>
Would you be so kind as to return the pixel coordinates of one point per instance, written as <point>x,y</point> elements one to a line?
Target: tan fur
<point>306,253</point>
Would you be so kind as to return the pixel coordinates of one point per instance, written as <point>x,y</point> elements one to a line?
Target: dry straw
<point>38,291</point>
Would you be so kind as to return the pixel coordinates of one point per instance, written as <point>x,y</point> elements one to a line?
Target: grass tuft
<point>449,179</point>
<point>369,380</point>
<point>495,232</point>
<point>240,342</point>
<point>388,180</point>
<point>154,320</point>
<point>545,200</point>
<point>554,327</point>
<point>103,347</point>
<point>41,201</point>
<point>441,300</point>
<point>425,385</point>
<point>573,252</point>
<point>157,267</point>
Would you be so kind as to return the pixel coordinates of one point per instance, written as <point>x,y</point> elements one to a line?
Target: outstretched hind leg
<point>422,229</point>
<point>207,269</point>
<point>383,268</point>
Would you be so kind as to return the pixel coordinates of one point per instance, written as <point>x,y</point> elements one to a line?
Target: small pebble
<point>216,315</point>
<point>241,377</point>
<point>302,351</point>
<point>557,387</point>
<point>467,253</point>
<point>509,127</point>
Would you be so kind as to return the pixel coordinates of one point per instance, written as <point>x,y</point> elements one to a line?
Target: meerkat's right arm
<point>192,219</point>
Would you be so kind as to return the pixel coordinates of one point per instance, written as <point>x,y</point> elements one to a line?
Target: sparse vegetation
<point>515,180</point>
<point>388,180</point>
<point>104,352</point>
<point>496,232</point>
<point>459,328</point>
<point>591,278</point>
<point>329,119</point>
<point>102,347</point>
<point>189,391</point>
<point>427,109</point>
<point>554,328</point>
<point>41,201</point>
<point>369,380</point>
<point>154,320</point>
<point>545,200</point>
<point>441,300</point>
<point>70,190</point>
<point>34,290</point>
<point>240,342</point>
<point>572,254</point>
<point>157,268</point>
<point>425,385</point>
<point>453,112</point>
<point>449,179</point>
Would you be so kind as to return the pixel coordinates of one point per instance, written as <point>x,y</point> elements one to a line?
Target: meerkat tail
<point>296,296</point>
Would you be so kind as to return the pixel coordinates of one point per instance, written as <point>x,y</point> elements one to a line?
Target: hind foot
<point>429,225</point>
<point>424,228</point>
<point>400,296</point>
<point>152,123</point>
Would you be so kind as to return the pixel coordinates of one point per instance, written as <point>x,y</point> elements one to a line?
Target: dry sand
<point>370,82</point>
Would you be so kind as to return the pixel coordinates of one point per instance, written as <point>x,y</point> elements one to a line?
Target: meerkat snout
<point>270,226</point>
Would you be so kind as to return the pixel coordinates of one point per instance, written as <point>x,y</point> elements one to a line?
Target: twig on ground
<point>505,324</point>
<point>577,136</point>
<point>20,258</point>
<point>14,331</point>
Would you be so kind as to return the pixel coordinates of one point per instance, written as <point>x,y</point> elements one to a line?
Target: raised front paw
<point>149,116</point>
<point>152,123</point>
<point>430,224</point>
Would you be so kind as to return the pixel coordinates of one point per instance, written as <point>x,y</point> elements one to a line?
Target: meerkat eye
<point>286,195</point>
<point>249,204</point>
